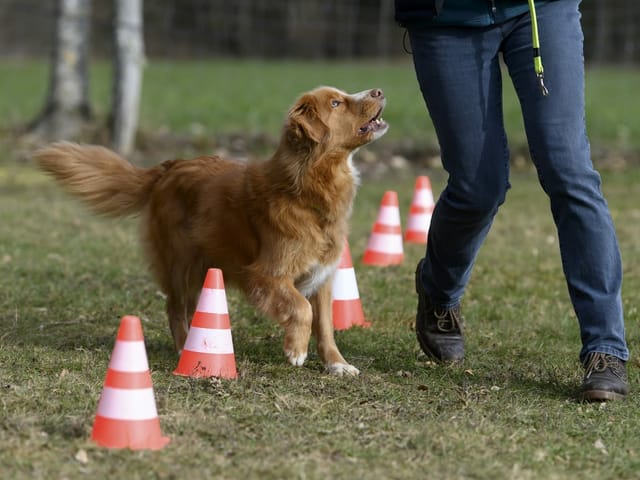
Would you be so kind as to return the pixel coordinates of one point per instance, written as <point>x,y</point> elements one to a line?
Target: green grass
<point>508,412</point>
<point>195,97</point>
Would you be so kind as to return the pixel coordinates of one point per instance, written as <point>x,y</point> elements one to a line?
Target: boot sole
<point>601,396</point>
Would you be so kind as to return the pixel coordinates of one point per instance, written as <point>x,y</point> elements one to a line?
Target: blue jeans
<point>459,74</point>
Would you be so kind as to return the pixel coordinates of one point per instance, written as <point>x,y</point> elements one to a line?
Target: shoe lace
<point>599,362</point>
<point>448,320</point>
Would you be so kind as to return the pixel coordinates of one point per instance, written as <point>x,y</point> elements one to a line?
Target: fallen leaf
<point>82,457</point>
<point>599,444</point>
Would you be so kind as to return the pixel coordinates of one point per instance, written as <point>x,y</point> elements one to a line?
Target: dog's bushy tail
<point>102,179</point>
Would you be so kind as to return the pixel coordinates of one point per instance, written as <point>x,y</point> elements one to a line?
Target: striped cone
<point>420,212</point>
<point>346,305</point>
<point>385,243</point>
<point>127,416</point>
<point>208,351</point>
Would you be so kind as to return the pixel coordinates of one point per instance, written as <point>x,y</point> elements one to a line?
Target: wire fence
<point>306,29</point>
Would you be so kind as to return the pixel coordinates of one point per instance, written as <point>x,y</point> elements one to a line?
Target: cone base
<point>347,314</point>
<point>203,365</point>
<point>382,259</point>
<point>416,237</point>
<point>132,434</point>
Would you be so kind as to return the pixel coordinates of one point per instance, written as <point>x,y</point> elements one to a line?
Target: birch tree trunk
<point>127,81</point>
<point>67,109</point>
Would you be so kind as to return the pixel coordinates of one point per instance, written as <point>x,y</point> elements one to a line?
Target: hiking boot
<point>605,378</point>
<point>439,330</point>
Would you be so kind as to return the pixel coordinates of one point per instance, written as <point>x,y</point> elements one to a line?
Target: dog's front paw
<point>297,360</point>
<point>341,369</point>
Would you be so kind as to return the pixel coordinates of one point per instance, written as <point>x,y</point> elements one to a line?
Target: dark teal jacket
<point>469,13</point>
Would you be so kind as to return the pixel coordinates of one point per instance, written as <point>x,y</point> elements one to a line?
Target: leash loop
<point>537,58</point>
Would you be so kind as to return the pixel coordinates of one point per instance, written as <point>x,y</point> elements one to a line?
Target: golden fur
<point>275,228</point>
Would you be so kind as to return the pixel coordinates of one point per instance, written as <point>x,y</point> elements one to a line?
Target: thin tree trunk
<point>127,82</point>
<point>67,108</point>
<point>385,14</point>
<point>629,32</point>
<point>244,29</point>
<point>602,32</point>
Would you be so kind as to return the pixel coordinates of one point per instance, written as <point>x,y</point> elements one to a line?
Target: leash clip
<point>543,88</point>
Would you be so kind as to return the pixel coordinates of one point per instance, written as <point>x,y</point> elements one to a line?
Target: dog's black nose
<point>376,93</point>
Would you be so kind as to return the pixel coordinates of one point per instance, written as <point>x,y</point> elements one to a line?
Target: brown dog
<point>276,229</point>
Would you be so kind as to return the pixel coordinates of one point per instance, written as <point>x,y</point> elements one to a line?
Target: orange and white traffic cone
<point>127,416</point>
<point>208,350</point>
<point>346,305</point>
<point>420,212</point>
<point>385,243</point>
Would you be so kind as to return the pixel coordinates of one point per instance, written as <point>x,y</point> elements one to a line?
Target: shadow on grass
<point>397,355</point>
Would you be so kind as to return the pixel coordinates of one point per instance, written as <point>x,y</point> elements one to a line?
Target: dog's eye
<point>335,103</point>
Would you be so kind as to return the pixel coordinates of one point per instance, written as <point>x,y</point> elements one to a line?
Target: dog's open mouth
<point>375,124</point>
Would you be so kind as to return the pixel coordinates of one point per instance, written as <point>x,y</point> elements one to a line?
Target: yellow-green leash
<point>537,59</point>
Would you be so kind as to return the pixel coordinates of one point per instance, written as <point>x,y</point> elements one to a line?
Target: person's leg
<point>559,147</point>
<point>556,131</point>
<point>459,75</point>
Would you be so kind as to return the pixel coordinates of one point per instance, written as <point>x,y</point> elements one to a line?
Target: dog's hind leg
<point>323,332</point>
<point>182,299</point>
<point>178,319</point>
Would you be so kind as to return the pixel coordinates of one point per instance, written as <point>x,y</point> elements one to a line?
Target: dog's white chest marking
<point>355,174</point>
<point>318,275</point>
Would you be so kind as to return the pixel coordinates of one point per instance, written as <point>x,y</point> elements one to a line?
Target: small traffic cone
<point>127,416</point>
<point>420,212</point>
<point>208,351</point>
<point>346,305</point>
<point>385,243</point>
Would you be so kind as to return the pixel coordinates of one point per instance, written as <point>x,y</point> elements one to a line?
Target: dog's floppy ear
<point>304,121</point>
